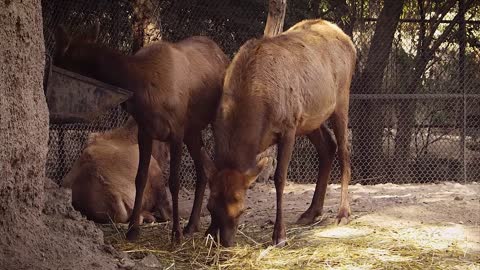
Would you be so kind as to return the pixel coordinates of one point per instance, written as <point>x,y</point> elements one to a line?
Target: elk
<point>176,89</point>
<point>102,178</point>
<point>275,89</point>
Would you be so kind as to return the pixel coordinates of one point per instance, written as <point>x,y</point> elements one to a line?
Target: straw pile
<point>355,246</point>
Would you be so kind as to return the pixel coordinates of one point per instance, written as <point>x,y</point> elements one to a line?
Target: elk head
<point>226,203</point>
<point>74,52</point>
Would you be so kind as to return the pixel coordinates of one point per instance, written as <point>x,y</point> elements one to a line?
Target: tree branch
<point>423,57</point>
<point>276,17</point>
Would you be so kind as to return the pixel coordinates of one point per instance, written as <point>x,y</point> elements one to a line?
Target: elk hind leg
<point>326,147</point>
<point>145,152</point>
<point>195,147</point>
<point>284,155</point>
<point>340,128</point>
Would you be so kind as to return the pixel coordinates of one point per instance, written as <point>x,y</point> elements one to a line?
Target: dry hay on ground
<point>394,227</point>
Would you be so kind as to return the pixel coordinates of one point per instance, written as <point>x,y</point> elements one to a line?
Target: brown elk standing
<point>275,89</point>
<point>177,87</point>
<point>102,179</point>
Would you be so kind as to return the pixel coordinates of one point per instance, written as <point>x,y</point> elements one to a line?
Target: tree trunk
<point>276,17</point>
<point>38,228</point>
<point>23,111</point>
<point>367,138</point>
<point>273,27</point>
<point>344,14</point>
<point>315,7</point>
<point>146,26</point>
<point>425,52</point>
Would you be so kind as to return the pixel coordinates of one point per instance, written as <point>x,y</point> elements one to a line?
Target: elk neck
<point>117,69</point>
<point>239,138</point>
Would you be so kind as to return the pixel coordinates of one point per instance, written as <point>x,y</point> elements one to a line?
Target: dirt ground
<point>429,217</point>
<point>407,203</point>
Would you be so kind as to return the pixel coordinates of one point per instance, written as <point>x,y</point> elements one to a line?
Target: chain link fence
<point>404,127</point>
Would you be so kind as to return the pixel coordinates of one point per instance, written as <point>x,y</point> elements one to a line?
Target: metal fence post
<point>461,70</point>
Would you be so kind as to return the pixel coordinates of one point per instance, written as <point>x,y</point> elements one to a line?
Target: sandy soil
<point>386,205</point>
<point>393,226</point>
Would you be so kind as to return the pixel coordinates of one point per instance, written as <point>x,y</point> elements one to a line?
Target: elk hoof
<point>280,242</point>
<point>307,218</point>
<point>279,237</point>
<point>343,216</point>
<point>212,232</point>
<point>133,234</point>
<point>176,236</point>
<point>190,230</point>
<point>147,218</point>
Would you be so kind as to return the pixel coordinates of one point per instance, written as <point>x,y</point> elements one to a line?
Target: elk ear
<point>252,174</point>
<point>131,125</point>
<point>93,33</point>
<point>92,137</point>
<point>208,165</point>
<point>62,39</point>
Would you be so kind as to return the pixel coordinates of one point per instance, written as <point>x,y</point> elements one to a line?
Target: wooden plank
<point>71,96</point>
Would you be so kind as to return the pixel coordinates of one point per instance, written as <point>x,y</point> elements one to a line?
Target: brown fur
<point>177,87</point>
<point>103,178</point>
<point>275,89</point>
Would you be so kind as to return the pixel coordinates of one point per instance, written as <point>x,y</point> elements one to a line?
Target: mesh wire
<point>399,133</point>
<point>67,141</point>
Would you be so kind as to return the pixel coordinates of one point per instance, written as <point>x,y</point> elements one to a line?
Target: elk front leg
<point>145,152</point>
<point>213,230</point>
<point>174,185</point>
<point>285,149</point>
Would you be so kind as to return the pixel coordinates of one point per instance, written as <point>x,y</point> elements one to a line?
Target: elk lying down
<point>275,89</point>
<point>103,178</point>
<point>176,89</point>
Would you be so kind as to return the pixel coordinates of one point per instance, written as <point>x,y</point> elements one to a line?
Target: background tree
<point>427,45</point>
<point>368,128</point>
<point>146,25</point>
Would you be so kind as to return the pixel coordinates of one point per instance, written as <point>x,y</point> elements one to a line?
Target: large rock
<point>38,227</point>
